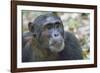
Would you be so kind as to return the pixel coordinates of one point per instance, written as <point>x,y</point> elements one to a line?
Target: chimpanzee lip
<point>56,44</point>
<point>56,47</point>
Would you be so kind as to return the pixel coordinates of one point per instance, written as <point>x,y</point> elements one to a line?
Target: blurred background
<point>77,23</point>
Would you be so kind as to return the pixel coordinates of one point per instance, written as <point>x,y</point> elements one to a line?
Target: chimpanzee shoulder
<point>72,49</point>
<point>26,44</point>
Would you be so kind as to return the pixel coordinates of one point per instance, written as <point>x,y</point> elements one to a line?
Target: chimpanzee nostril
<point>55,35</point>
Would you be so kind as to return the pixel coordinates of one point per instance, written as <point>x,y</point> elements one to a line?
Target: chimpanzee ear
<point>31,29</point>
<point>30,26</point>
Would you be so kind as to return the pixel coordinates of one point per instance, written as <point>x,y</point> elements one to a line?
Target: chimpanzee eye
<point>57,25</point>
<point>49,26</point>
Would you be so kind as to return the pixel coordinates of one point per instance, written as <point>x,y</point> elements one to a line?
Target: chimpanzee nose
<point>56,35</point>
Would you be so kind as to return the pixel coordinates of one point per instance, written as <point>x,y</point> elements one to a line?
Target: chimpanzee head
<point>48,31</point>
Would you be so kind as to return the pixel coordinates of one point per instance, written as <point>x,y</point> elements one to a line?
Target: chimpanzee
<point>47,41</point>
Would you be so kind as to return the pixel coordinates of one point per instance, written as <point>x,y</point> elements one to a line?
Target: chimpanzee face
<point>48,30</point>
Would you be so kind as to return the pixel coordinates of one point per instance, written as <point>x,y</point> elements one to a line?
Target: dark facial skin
<point>50,28</point>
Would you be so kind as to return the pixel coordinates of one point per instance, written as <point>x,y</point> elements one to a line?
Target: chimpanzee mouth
<point>56,45</point>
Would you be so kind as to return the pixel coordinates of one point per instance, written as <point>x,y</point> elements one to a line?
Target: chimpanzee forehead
<point>51,18</point>
<point>48,18</point>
